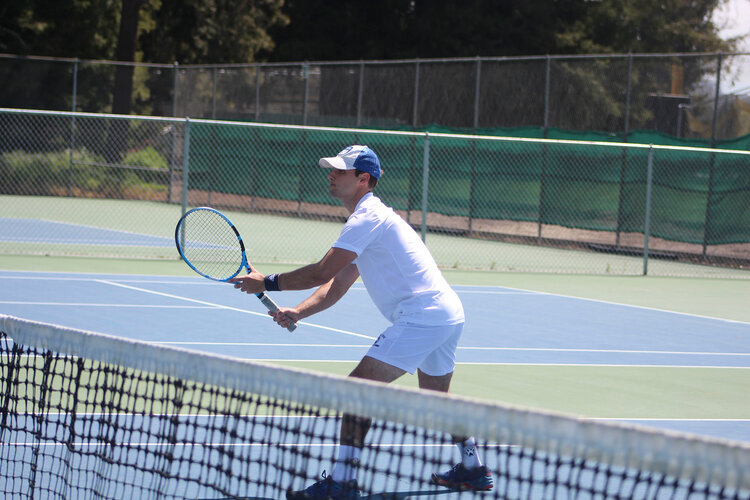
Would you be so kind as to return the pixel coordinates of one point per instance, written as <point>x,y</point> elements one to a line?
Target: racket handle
<point>271,305</point>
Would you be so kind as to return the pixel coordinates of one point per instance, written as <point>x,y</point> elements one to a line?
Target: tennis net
<point>88,415</point>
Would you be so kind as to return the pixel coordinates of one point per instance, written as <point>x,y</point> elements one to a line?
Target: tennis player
<point>405,283</point>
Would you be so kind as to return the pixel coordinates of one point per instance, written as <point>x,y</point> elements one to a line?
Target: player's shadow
<point>401,495</point>
<point>388,495</point>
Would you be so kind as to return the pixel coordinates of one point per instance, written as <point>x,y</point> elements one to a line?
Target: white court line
<point>591,365</point>
<point>632,306</point>
<point>93,304</point>
<point>229,308</point>
<point>644,419</point>
<point>461,348</point>
<point>616,351</point>
<point>259,344</point>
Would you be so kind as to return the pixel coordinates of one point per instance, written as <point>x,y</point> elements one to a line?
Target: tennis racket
<point>209,243</point>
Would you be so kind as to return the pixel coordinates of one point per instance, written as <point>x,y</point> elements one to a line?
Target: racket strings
<point>210,244</point>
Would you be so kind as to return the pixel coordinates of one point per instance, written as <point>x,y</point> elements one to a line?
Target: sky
<point>733,18</point>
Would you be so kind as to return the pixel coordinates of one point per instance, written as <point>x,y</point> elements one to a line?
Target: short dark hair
<point>373,180</point>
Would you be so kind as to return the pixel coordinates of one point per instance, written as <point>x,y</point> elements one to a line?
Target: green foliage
<point>440,28</point>
<point>59,173</point>
<point>206,31</point>
<point>147,157</point>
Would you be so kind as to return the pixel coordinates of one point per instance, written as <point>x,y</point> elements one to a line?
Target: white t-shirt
<point>398,271</point>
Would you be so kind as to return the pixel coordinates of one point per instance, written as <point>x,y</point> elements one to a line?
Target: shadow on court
<point>389,495</point>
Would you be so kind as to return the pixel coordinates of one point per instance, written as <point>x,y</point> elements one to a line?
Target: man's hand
<point>286,316</point>
<point>249,283</point>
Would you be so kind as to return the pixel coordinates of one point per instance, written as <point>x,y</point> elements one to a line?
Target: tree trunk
<point>117,139</point>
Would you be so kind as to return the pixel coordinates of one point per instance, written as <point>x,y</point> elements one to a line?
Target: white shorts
<point>432,349</point>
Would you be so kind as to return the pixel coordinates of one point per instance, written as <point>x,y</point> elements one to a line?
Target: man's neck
<point>351,203</point>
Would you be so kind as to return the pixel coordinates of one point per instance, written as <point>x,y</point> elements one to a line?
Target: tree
<point>390,29</point>
<point>212,31</point>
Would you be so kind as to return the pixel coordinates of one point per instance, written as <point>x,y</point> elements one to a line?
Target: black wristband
<point>271,282</point>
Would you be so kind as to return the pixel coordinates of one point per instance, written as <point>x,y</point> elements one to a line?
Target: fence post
<point>425,181</point>
<point>305,73</point>
<point>647,222</point>
<point>72,128</point>
<point>712,161</point>
<point>258,70</point>
<point>172,153</point>
<point>716,100</point>
<point>360,92</point>
<point>623,165</point>
<point>415,111</point>
<point>472,180</point>
<point>477,87</point>
<point>547,78</point>
<point>185,165</point>
<point>628,95</point>
<point>175,67</point>
<point>213,92</point>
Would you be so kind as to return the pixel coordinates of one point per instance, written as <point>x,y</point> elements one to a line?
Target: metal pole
<point>647,223</point>
<point>257,92</point>
<point>213,100</point>
<point>542,179</point>
<point>627,95</point>
<point>185,166</point>
<point>472,179</point>
<point>425,181</point>
<point>476,92</point>
<point>173,145</point>
<point>546,95</point>
<point>712,161</point>
<point>75,84</point>
<point>72,129</point>
<point>716,101</point>
<point>623,165</point>
<point>174,89</point>
<point>360,92</point>
<point>305,72</point>
<point>415,111</point>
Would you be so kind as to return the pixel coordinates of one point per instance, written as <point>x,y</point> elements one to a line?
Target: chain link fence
<point>108,185</point>
<point>703,96</point>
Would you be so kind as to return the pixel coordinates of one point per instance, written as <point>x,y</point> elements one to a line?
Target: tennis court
<point>592,358</point>
<point>609,359</point>
<point>671,353</point>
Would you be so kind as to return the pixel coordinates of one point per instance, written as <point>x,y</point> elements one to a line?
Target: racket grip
<point>271,305</point>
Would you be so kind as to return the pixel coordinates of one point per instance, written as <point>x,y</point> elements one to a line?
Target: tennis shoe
<point>461,478</point>
<point>326,489</point>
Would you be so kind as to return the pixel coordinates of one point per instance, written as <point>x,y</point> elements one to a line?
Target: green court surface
<point>277,238</point>
<point>598,391</point>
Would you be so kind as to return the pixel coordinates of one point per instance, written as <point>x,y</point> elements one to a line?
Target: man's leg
<point>340,484</point>
<point>441,383</point>
<point>354,429</point>
<point>469,474</point>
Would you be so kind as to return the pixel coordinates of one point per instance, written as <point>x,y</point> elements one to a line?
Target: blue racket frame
<point>244,264</point>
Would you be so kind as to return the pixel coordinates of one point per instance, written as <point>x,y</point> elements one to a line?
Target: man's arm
<point>329,293</point>
<point>303,278</point>
<point>324,297</point>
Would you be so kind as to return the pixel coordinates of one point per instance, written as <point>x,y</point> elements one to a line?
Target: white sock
<point>469,456</point>
<point>345,469</point>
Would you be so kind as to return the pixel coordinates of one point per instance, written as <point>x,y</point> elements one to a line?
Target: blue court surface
<point>505,328</point>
